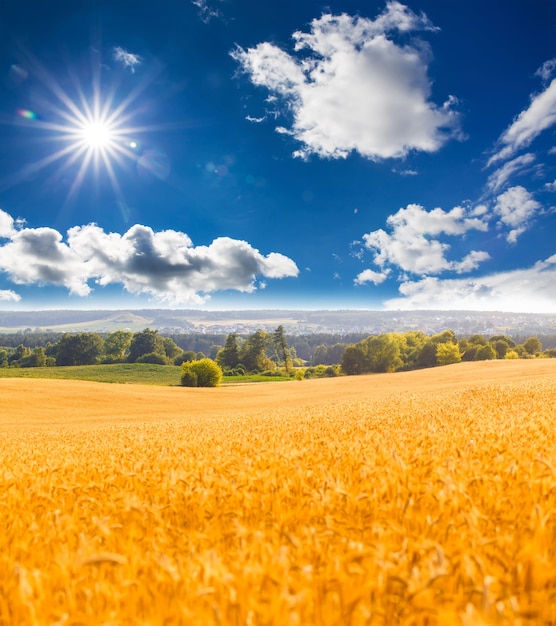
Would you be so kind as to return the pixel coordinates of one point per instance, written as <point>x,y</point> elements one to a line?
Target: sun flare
<point>97,134</point>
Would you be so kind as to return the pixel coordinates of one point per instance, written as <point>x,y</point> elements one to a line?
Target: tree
<point>117,343</point>
<point>447,353</point>
<point>353,360</point>
<point>383,353</point>
<point>532,346</point>
<point>37,358</point>
<point>171,349</point>
<point>3,358</point>
<point>145,342</point>
<point>79,349</point>
<point>228,356</point>
<point>281,347</point>
<point>485,353</point>
<point>203,373</point>
<point>253,352</point>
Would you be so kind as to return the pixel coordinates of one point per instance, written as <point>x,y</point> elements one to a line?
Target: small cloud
<point>550,186</point>
<point>206,10</point>
<point>370,276</point>
<point>413,244</point>
<point>128,59</point>
<point>515,208</point>
<point>7,295</point>
<point>546,70</point>
<point>255,120</point>
<point>407,172</point>
<point>502,175</point>
<point>529,124</point>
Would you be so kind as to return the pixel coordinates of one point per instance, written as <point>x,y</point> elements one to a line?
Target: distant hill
<point>295,322</point>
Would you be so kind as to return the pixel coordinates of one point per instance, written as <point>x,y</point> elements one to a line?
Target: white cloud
<point>206,10</point>
<point>165,265</point>
<point>529,124</point>
<point>412,247</point>
<point>128,59</point>
<point>370,276</point>
<point>516,207</point>
<point>7,295</point>
<point>502,175</point>
<point>546,70</point>
<point>6,225</point>
<point>353,88</point>
<point>551,186</point>
<point>522,290</point>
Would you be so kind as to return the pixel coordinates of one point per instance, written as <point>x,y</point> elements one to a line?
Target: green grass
<point>137,373</point>
<point>253,378</point>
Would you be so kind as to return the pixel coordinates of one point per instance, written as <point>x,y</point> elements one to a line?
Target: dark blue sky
<point>246,154</point>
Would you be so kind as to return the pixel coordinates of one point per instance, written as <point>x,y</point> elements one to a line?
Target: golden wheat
<point>427,498</point>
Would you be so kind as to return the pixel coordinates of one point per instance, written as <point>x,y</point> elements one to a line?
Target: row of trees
<point>258,352</point>
<point>121,346</point>
<point>392,352</point>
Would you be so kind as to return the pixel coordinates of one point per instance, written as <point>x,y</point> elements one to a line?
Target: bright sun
<point>97,135</point>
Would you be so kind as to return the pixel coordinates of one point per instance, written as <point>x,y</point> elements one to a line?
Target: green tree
<point>447,353</point>
<point>37,358</point>
<point>203,373</point>
<point>353,360</point>
<point>171,349</point>
<point>79,349</point>
<point>228,356</point>
<point>145,342</point>
<point>532,346</point>
<point>485,353</point>
<point>253,352</point>
<point>20,353</point>
<point>281,347</point>
<point>3,358</point>
<point>116,344</point>
<point>383,353</point>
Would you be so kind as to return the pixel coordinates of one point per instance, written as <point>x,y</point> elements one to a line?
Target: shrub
<point>207,373</point>
<point>154,358</point>
<point>189,378</point>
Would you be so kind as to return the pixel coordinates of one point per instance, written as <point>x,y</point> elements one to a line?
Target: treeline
<point>267,352</point>
<point>258,352</point>
<point>394,352</point>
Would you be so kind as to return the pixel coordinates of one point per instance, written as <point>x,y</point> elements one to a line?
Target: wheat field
<point>420,498</point>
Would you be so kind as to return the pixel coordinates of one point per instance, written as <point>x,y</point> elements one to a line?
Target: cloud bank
<point>352,88</point>
<point>165,265</point>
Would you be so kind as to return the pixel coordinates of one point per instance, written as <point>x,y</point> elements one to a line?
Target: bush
<point>207,373</point>
<point>154,358</point>
<point>189,378</point>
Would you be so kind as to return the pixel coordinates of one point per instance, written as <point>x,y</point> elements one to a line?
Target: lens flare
<point>92,128</point>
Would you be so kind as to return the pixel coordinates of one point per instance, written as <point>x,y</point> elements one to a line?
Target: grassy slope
<point>138,373</point>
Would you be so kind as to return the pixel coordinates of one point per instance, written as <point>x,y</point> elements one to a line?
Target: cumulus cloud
<point>6,225</point>
<point>128,59</point>
<point>351,87</point>
<point>498,179</point>
<point>165,265</point>
<point>515,208</point>
<point>370,276</point>
<point>7,295</point>
<point>523,290</point>
<point>529,124</point>
<point>413,243</point>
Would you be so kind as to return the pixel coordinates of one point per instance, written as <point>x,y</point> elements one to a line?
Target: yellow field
<point>415,498</point>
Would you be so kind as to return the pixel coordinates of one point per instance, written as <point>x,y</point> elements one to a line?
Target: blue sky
<point>245,154</point>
